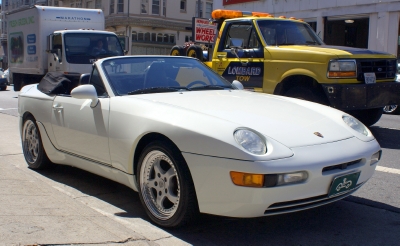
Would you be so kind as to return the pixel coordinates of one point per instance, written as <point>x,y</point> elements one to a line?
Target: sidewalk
<point>37,210</point>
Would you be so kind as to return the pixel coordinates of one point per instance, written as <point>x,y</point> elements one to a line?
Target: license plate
<point>370,78</point>
<point>343,183</point>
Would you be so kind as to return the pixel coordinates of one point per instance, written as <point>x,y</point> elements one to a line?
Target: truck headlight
<point>251,141</point>
<point>355,124</point>
<point>342,69</point>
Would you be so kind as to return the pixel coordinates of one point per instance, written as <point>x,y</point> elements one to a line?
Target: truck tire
<point>195,51</point>
<point>17,81</point>
<point>391,109</point>
<point>367,116</point>
<point>306,93</point>
<point>177,50</point>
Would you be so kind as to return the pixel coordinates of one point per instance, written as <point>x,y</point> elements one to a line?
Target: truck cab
<point>284,56</point>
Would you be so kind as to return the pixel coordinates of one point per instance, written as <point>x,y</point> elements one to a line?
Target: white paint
<point>3,109</point>
<point>388,170</point>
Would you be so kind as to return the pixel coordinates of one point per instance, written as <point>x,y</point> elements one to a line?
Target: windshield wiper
<point>158,90</point>
<point>311,42</point>
<point>212,87</point>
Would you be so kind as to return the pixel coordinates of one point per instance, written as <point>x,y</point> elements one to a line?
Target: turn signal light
<point>340,74</point>
<point>229,14</point>
<point>247,179</point>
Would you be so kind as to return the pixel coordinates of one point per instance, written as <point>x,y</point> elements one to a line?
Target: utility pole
<point>199,8</point>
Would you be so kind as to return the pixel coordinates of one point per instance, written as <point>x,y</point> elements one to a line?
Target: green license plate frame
<point>343,184</point>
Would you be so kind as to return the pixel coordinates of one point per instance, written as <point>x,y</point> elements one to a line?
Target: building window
<point>183,5</point>
<point>78,5</point>
<point>197,9</point>
<point>166,38</point>
<point>172,38</point>
<point>97,4</point>
<point>209,9</point>
<point>164,12</point>
<point>144,9</point>
<point>120,7</point>
<point>147,37</point>
<point>188,38</point>
<point>140,37</point>
<point>155,7</point>
<point>112,3</point>
<point>159,37</point>
<point>154,37</point>
<point>134,36</point>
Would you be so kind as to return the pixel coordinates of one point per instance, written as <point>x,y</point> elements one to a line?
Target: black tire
<point>391,109</point>
<point>3,88</point>
<point>367,116</point>
<point>195,51</point>
<point>177,50</point>
<point>308,94</point>
<point>168,202</point>
<point>32,146</point>
<point>17,81</point>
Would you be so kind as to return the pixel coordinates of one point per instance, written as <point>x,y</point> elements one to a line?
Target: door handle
<point>57,107</point>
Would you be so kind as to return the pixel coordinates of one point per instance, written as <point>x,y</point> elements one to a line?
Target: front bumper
<point>217,194</point>
<point>3,82</point>
<point>362,96</point>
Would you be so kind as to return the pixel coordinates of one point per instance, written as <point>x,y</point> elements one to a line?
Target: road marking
<point>388,170</point>
<point>7,108</point>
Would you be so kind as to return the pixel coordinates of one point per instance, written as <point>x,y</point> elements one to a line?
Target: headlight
<point>251,141</point>
<point>355,124</point>
<point>342,69</point>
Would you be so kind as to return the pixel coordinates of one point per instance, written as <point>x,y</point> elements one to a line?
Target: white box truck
<point>44,39</point>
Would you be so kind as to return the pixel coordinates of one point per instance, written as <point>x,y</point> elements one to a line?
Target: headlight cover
<point>355,124</point>
<point>342,69</point>
<point>251,141</point>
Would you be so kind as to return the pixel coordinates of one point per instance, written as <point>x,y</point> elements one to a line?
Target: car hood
<point>292,122</point>
<point>336,50</point>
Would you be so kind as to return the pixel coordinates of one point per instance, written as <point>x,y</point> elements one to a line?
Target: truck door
<point>55,56</point>
<point>247,64</point>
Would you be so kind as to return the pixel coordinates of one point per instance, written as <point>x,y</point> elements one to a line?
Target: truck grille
<point>383,69</point>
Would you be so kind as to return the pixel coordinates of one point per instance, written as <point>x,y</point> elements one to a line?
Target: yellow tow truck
<point>284,56</point>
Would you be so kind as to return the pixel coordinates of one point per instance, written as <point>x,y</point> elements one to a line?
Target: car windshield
<point>152,74</point>
<point>288,33</point>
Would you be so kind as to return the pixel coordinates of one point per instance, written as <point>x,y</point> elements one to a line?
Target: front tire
<point>32,146</point>
<point>166,189</point>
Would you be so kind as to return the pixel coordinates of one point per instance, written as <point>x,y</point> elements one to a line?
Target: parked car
<point>393,109</point>
<point>3,81</point>
<point>6,75</point>
<point>189,141</point>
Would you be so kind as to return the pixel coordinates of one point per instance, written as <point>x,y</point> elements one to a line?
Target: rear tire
<point>367,116</point>
<point>3,88</point>
<point>166,188</point>
<point>391,109</point>
<point>32,146</point>
<point>177,50</point>
<point>196,52</point>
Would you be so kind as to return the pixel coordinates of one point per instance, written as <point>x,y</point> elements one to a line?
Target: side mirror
<point>238,85</point>
<point>84,79</point>
<point>86,92</point>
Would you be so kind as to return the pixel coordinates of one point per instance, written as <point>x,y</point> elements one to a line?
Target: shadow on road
<point>353,221</point>
<point>388,138</point>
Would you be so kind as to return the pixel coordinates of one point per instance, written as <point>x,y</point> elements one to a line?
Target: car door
<point>80,129</point>
<point>248,62</point>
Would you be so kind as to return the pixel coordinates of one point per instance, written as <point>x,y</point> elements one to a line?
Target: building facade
<point>148,26</point>
<point>372,24</point>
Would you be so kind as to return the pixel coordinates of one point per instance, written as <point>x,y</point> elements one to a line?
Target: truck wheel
<point>195,51</point>
<point>306,94</point>
<point>177,50</point>
<point>391,109</point>
<point>3,88</point>
<point>367,116</point>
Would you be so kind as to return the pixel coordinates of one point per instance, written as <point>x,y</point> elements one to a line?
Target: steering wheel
<point>196,82</point>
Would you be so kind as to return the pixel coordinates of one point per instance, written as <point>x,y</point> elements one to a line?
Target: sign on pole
<point>203,30</point>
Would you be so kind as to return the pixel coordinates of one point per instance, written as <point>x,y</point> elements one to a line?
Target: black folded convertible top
<point>55,83</point>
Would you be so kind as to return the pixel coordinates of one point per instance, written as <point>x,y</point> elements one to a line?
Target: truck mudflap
<point>362,96</point>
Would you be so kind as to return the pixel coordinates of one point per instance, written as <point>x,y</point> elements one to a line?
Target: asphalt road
<point>371,216</point>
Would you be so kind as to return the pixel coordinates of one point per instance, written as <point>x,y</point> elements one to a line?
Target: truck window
<point>287,33</point>
<point>57,44</point>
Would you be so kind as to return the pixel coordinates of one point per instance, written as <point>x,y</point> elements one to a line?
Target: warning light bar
<point>230,14</point>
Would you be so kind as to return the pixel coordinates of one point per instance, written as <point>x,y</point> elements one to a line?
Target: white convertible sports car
<point>189,141</point>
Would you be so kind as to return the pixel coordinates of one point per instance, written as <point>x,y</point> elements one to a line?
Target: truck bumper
<point>362,96</point>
